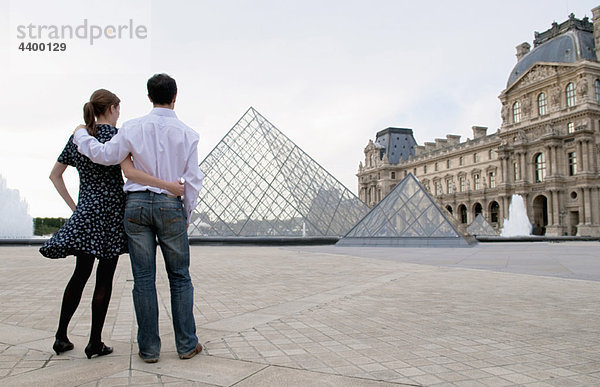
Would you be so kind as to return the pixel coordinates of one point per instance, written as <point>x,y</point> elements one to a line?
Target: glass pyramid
<point>480,226</point>
<point>407,216</point>
<point>258,183</point>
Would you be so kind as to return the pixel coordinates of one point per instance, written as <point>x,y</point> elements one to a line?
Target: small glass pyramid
<point>258,183</point>
<point>480,226</point>
<point>407,216</point>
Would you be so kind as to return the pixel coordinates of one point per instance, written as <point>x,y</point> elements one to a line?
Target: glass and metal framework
<point>480,226</point>
<point>258,183</point>
<point>407,216</point>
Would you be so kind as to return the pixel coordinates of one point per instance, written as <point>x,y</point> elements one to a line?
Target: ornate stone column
<point>590,225</point>
<point>504,168</point>
<point>579,150</point>
<point>556,159</point>
<point>555,219</point>
<point>589,156</point>
<point>554,227</point>
<point>592,156</point>
<point>587,206</point>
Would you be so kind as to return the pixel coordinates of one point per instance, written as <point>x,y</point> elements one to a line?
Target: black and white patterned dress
<point>96,225</point>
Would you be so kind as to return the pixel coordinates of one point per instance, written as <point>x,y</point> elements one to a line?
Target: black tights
<point>102,292</point>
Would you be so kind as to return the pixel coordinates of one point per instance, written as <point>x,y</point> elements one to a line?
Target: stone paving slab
<point>518,314</point>
<point>278,376</point>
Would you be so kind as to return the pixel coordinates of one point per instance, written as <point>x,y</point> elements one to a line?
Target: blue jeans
<point>150,217</point>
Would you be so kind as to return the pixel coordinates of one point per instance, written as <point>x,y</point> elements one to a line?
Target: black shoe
<point>62,346</point>
<point>98,349</point>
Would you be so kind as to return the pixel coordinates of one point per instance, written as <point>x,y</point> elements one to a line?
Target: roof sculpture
<point>258,183</point>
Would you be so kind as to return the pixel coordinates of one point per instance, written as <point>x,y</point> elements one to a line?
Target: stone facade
<point>547,149</point>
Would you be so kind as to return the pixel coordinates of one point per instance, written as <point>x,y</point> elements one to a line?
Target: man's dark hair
<point>161,89</point>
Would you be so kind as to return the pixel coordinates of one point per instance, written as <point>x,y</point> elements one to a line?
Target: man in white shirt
<point>164,147</point>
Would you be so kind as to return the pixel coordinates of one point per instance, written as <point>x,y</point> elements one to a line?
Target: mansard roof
<point>568,42</point>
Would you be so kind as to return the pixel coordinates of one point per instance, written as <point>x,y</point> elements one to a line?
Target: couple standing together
<point>158,155</point>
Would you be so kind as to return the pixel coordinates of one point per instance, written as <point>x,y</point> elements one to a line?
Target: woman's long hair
<point>100,101</point>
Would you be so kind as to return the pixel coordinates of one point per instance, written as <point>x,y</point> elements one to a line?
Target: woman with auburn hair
<point>95,229</point>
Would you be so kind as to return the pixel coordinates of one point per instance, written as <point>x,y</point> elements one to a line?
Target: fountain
<point>15,222</point>
<point>517,223</point>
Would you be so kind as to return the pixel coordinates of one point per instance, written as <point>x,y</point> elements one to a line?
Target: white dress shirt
<point>161,146</point>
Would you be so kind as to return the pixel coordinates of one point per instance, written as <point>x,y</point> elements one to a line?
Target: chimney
<point>453,139</point>
<point>419,150</point>
<point>441,142</point>
<point>429,146</point>
<point>522,50</point>
<point>596,21</point>
<point>479,131</point>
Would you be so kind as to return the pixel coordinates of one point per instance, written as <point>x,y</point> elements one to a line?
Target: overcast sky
<point>328,74</point>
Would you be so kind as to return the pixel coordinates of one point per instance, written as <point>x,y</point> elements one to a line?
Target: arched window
<point>516,110</point>
<point>462,210</point>
<point>570,93</point>
<point>477,209</point>
<point>494,211</point>
<point>597,89</point>
<point>540,167</point>
<point>449,208</point>
<point>542,104</point>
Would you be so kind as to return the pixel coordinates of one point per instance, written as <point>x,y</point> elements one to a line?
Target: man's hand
<point>80,126</point>
<point>176,188</point>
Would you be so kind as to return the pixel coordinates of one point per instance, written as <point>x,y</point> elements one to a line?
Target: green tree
<point>46,226</point>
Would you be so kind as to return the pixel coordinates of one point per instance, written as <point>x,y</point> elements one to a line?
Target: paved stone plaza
<point>490,315</point>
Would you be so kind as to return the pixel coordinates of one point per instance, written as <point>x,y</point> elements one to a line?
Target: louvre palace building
<point>546,149</point>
